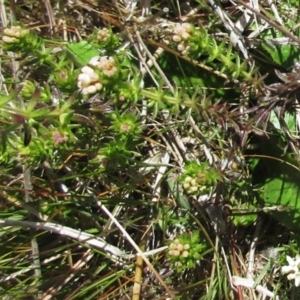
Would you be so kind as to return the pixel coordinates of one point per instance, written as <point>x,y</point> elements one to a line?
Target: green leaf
<point>284,192</point>
<point>42,112</point>
<point>66,107</point>
<point>179,198</point>
<point>289,121</point>
<point>65,118</point>
<point>7,98</point>
<point>82,52</point>
<point>280,176</point>
<point>283,55</point>
<point>245,219</point>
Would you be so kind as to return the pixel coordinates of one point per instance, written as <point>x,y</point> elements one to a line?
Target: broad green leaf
<point>283,55</point>
<point>82,52</point>
<point>284,193</point>
<point>289,119</point>
<point>280,176</point>
<point>174,188</point>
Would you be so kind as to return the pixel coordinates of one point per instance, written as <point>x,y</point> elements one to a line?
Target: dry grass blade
<point>269,20</point>
<point>81,263</point>
<point>82,237</point>
<point>50,15</point>
<point>36,263</point>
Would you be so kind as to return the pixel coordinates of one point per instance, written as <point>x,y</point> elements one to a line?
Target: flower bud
<point>186,247</point>
<point>15,31</point>
<point>185,253</point>
<point>187,27</point>
<point>8,39</point>
<point>103,35</point>
<point>188,179</point>
<point>172,246</point>
<point>179,247</point>
<point>28,89</point>
<point>59,138</point>
<point>185,35</point>
<point>194,182</point>
<point>186,185</point>
<point>181,47</point>
<point>176,38</point>
<point>88,81</point>
<point>192,189</point>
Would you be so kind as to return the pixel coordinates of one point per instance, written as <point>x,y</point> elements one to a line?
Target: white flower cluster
<point>176,249</point>
<point>106,64</point>
<point>293,269</point>
<point>103,35</point>
<point>182,33</point>
<point>89,79</point>
<point>191,185</point>
<point>11,35</point>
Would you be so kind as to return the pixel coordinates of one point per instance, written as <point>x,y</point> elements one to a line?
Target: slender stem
<point>34,244</point>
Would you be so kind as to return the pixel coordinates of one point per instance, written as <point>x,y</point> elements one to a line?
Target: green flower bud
<point>28,89</point>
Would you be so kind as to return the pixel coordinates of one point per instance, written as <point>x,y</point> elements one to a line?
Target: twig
<point>79,235</point>
<point>136,247</point>
<point>12,11</point>
<point>136,290</point>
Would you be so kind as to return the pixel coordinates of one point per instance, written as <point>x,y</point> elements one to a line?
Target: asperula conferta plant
<point>199,178</point>
<point>178,249</point>
<point>185,251</point>
<point>192,185</point>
